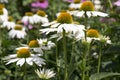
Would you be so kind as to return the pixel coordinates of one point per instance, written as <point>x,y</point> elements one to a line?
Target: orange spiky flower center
<point>23,53</point>
<point>92,33</point>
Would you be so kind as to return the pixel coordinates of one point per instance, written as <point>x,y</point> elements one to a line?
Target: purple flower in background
<point>83,0</point>
<point>117,3</point>
<point>42,4</point>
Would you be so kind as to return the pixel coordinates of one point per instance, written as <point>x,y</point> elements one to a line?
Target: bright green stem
<point>86,18</point>
<point>25,73</point>
<point>65,55</point>
<point>110,3</point>
<point>99,58</point>
<point>57,63</point>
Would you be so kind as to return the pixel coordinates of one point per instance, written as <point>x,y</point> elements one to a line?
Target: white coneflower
<point>97,4</point>
<point>93,34</point>
<point>9,23</point>
<point>87,8</point>
<point>40,17</point>
<point>3,1</point>
<point>64,21</point>
<point>17,32</point>
<point>28,18</point>
<point>24,56</point>
<point>34,44</point>
<point>45,74</point>
<point>45,44</point>
<point>75,5</point>
<point>3,13</point>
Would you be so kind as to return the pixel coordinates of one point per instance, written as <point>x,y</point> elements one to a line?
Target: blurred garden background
<point>59,39</point>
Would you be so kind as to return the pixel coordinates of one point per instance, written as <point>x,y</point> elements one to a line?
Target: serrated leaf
<point>99,76</point>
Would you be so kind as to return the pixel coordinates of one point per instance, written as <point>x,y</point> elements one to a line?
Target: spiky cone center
<point>87,6</point>
<point>92,33</point>
<point>18,27</point>
<point>28,14</point>
<point>23,53</point>
<point>71,9</point>
<point>41,13</point>
<point>2,6</point>
<point>10,18</point>
<point>64,17</point>
<point>33,44</point>
<point>1,12</point>
<point>76,1</point>
<point>41,0</point>
<point>19,22</point>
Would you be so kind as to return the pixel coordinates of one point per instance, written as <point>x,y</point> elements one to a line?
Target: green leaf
<point>99,76</point>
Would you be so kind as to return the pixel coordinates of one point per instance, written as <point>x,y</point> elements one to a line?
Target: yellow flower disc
<point>18,27</point>
<point>33,44</point>
<point>28,14</point>
<point>76,1</point>
<point>23,53</point>
<point>87,6</point>
<point>2,6</point>
<point>92,33</point>
<point>64,17</point>
<point>41,13</point>
<point>1,12</point>
<point>10,18</point>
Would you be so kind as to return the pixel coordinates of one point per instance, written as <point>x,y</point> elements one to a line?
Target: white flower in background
<point>9,23</point>
<point>88,8</point>
<point>17,32</point>
<point>45,74</point>
<point>3,1</point>
<point>64,21</point>
<point>28,18</point>
<point>40,17</point>
<point>97,4</point>
<point>24,56</point>
<point>75,4</point>
<point>93,34</point>
<point>3,13</point>
<point>4,10</point>
<point>45,44</point>
<point>34,44</point>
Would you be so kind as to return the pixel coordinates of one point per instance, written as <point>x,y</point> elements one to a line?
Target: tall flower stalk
<point>65,55</point>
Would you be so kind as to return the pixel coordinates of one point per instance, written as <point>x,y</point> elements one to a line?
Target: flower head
<point>45,73</point>
<point>17,32</point>
<point>24,56</point>
<point>92,33</point>
<point>87,6</point>
<point>40,17</point>
<point>64,17</point>
<point>41,4</point>
<point>28,18</point>
<point>117,3</point>
<point>33,44</point>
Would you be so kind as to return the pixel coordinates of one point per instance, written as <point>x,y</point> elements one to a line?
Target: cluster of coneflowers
<point>63,26</point>
<point>27,54</point>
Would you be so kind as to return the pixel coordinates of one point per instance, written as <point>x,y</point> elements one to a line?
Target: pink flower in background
<point>40,4</point>
<point>117,3</point>
<point>83,0</point>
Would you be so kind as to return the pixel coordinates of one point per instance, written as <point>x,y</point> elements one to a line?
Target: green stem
<point>65,55</point>
<point>25,73</point>
<point>0,41</point>
<point>99,58</point>
<point>110,3</point>
<point>57,63</point>
<point>72,52</point>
